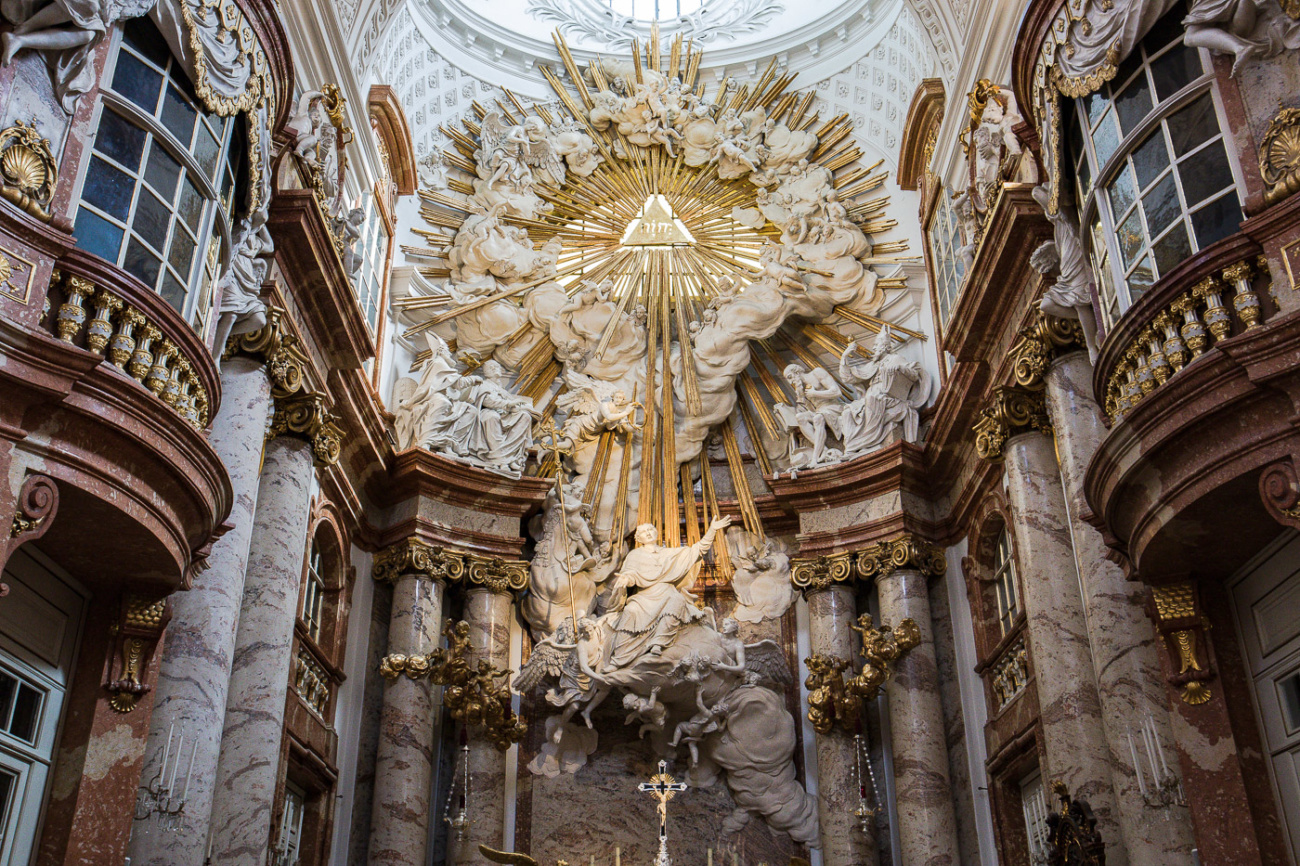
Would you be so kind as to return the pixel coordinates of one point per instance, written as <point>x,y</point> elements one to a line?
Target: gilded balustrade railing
<point>135,331</point>
<point>1182,330</point>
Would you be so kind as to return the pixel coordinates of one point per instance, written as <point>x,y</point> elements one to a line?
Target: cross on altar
<point>663,788</point>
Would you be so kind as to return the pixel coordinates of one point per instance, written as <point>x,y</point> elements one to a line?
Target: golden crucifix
<point>663,788</point>
<point>559,453</point>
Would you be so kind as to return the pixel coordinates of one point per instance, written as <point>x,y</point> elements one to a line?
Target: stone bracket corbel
<point>1041,342</point>
<point>135,637</point>
<point>38,501</point>
<point>1175,609</point>
<point>1279,488</point>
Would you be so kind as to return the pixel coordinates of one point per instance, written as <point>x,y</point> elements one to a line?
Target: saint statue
<point>651,619</point>
<point>895,390</point>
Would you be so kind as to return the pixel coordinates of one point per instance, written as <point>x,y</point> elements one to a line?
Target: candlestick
<point>171,783</point>
<point>1151,756</point>
<point>162,774</point>
<point>1160,748</point>
<point>189,771</point>
<point>618,856</point>
<point>710,857</point>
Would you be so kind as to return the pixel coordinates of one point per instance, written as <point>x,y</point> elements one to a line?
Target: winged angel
<point>510,151</point>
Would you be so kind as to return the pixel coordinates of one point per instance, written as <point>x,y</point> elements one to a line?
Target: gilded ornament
<point>280,351</point>
<point>28,172</point>
<point>1011,411</point>
<point>477,696</point>
<point>413,556</point>
<point>906,552</point>
<point>309,417</point>
<point>1041,342</point>
<point>1279,151</point>
<point>822,571</point>
<point>882,647</point>
<point>834,700</point>
<point>829,700</point>
<point>1176,612</point>
<point>497,574</point>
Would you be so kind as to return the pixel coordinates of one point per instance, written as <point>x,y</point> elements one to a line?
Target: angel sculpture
<point>510,152</point>
<point>762,578</point>
<point>571,662</point>
<point>895,390</point>
<point>1070,297</point>
<point>593,407</point>
<point>812,420</point>
<point>650,711</point>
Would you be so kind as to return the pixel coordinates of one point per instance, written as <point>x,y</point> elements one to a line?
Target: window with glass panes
<point>160,183</point>
<point>289,848</point>
<point>372,247</point>
<point>1151,170</point>
<point>1004,583</point>
<point>945,243</point>
<point>313,597</point>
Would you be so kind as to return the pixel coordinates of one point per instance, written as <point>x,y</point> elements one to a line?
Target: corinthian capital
<point>497,574</point>
<point>309,416</point>
<point>905,552</point>
<point>1011,411</point>
<point>820,572</point>
<point>274,346</point>
<point>1038,344</point>
<point>412,556</point>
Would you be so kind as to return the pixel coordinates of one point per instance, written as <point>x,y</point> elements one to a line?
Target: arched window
<point>944,239</point>
<point>313,594</point>
<point>1005,584</point>
<point>160,186</point>
<point>1152,176</point>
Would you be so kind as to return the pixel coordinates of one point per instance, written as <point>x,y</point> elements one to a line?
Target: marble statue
<point>432,168</point>
<point>349,229</point>
<point>890,391</point>
<point>762,579</point>
<point>240,308</point>
<point>812,420</point>
<point>1245,29</point>
<point>66,31</point>
<point>1070,296</point>
<point>994,147</point>
<point>677,671</point>
<point>303,125</point>
<point>473,419</point>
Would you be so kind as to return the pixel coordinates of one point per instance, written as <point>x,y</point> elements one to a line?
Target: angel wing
<point>541,154</point>
<point>766,659</point>
<point>546,662</point>
<point>506,857</point>
<point>583,397</point>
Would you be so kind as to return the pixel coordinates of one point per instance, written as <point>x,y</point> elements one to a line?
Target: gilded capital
<point>905,552</point>
<point>1011,411</point>
<point>309,416</point>
<point>496,573</point>
<point>1040,343</point>
<point>821,572</point>
<point>272,344</point>
<point>413,556</point>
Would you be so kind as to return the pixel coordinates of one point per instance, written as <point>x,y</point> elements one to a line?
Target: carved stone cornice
<point>1041,342</point>
<point>412,556</point>
<point>496,573</point>
<point>1010,412</point>
<point>309,416</point>
<point>905,552</point>
<point>822,572</point>
<point>272,344</point>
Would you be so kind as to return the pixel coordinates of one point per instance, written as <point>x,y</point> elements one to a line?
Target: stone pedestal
<point>244,799</point>
<point>399,830</point>
<point>927,824</point>
<point>830,613</point>
<point>488,613</point>
<point>1074,737</point>
<point>194,673</point>
<point>1125,651</point>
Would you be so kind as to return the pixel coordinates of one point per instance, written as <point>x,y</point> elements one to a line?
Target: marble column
<point>399,829</point>
<point>1074,738</point>
<point>927,822</point>
<point>194,672</point>
<point>248,769</point>
<point>1125,648</point>
<point>488,613</point>
<point>830,613</point>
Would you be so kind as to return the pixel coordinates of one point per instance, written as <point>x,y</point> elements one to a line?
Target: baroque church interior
<point>751,432</point>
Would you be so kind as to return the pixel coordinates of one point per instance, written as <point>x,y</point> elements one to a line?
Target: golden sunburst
<point>664,238</point>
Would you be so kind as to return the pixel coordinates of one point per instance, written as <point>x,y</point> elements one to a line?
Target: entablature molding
<point>900,466</point>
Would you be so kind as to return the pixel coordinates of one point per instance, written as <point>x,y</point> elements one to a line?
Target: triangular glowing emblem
<point>656,226</point>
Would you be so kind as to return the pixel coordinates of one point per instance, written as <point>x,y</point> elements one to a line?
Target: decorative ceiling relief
<point>715,21</point>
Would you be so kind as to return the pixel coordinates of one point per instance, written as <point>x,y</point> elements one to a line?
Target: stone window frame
<point>943,242</point>
<point>326,536</point>
<point>979,567</point>
<point>214,236</point>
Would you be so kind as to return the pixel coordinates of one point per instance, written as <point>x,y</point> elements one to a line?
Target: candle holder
<point>158,799</point>
<point>459,821</point>
<point>1158,784</point>
<point>865,812</point>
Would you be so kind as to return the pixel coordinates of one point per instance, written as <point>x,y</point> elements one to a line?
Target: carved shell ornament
<point>1279,155</point>
<point>27,169</point>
